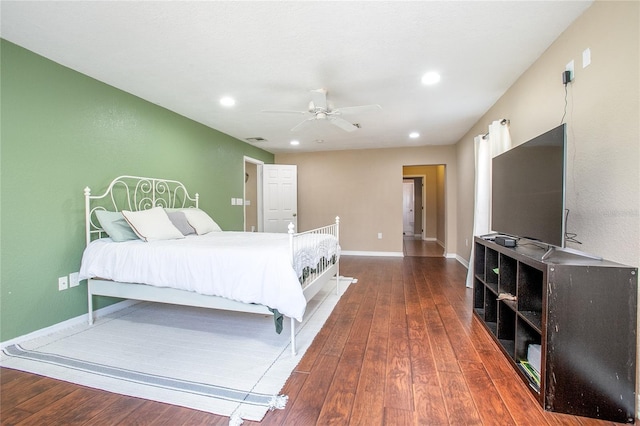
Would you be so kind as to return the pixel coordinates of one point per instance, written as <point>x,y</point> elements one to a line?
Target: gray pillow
<point>115,226</point>
<point>179,220</point>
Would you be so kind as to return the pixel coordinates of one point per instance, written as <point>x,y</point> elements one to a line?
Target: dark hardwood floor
<point>400,348</point>
<point>417,247</point>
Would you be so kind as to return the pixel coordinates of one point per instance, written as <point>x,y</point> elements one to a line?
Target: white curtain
<point>497,141</point>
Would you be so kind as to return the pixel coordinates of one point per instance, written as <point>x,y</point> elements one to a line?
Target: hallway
<point>415,247</point>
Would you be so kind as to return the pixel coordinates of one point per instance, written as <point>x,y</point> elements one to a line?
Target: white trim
<point>258,163</point>
<point>373,253</point>
<point>462,261</point>
<point>80,319</point>
<point>423,232</point>
<point>450,255</point>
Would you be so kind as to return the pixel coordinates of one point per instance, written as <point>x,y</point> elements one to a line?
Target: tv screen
<point>528,183</point>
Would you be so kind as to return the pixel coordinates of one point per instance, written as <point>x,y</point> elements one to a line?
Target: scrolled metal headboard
<point>134,193</point>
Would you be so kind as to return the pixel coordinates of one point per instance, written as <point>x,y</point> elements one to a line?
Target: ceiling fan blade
<point>342,123</point>
<point>303,124</point>
<point>319,98</point>
<point>358,109</point>
<point>277,111</point>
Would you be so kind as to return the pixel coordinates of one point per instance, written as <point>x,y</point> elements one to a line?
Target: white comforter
<point>247,267</point>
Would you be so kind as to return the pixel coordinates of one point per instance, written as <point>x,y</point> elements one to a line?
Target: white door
<point>408,220</point>
<point>279,197</point>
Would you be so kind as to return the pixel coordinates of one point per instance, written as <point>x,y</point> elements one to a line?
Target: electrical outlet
<point>571,68</point>
<point>74,280</point>
<point>63,284</point>
<point>233,201</point>
<point>379,235</point>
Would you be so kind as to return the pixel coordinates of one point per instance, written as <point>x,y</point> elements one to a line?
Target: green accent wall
<point>62,131</point>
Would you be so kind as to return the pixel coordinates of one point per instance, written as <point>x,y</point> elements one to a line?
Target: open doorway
<point>252,195</point>
<point>425,204</point>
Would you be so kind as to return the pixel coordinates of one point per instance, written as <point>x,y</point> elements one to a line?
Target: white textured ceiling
<point>186,55</point>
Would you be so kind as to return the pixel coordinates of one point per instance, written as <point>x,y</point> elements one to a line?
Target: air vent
<point>256,139</point>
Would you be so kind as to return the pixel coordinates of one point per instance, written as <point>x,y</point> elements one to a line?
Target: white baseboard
<point>462,260</point>
<point>69,323</point>
<point>373,253</point>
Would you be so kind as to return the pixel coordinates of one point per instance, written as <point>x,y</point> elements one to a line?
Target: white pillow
<point>152,224</point>
<point>201,221</point>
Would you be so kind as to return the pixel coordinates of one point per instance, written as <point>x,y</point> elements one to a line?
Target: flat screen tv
<point>528,189</point>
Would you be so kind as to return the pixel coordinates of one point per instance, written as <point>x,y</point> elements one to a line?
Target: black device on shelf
<point>582,313</point>
<point>505,241</point>
<point>528,189</point>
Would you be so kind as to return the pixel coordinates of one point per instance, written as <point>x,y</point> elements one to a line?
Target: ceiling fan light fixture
<point>430,78</point>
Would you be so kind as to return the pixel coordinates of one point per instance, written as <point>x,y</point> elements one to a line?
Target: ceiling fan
<point>320,110</point>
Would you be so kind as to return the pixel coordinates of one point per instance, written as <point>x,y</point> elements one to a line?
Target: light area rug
<point>227,363</point>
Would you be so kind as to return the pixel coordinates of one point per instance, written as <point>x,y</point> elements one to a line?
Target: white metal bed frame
<point>141,193</point>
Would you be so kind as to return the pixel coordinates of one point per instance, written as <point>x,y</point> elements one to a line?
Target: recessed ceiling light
<point>227,101</point>
<point>414,135</point>
<point>431,77</point>
<point>295,142</point>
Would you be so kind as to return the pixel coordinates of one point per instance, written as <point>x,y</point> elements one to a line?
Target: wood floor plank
<point>461,409</point>
<point>429,405</point>
<point>523,408</point>
<point>398,390</point>
<point>441,346</point>
<point>148,413</point>
<point>485,394</point>
<point>480,337</point>
<point>47,396</point>
<point>463,347</point>
<point>494,363</point>
<point>13,416</point>
<point>423,366</point>
<point>307,406</point>
<point>397,417</point>
<point>117,411</point>
<point>76,407</point>
<point>368,404</point>
<point>15,392</point>
<point>339,399</point>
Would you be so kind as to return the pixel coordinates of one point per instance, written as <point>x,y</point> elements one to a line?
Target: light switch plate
<point>74,279</point>
<point>586,57</point>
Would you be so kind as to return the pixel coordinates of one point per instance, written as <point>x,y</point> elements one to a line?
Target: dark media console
<point>573,316</point>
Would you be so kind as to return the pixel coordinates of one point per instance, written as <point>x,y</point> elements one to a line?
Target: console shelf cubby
<point>581,314</point>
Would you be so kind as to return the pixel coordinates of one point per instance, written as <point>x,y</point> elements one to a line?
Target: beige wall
<point>364,188</point>
<point>603,129</point>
